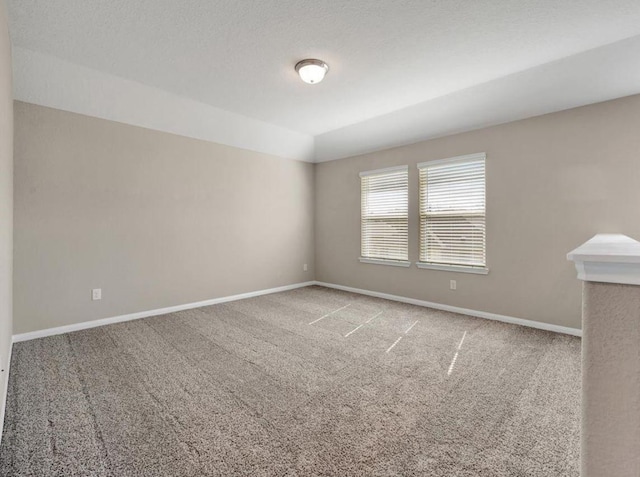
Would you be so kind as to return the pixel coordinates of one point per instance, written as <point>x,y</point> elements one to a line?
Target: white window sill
<point>380,261</point>
<point>453,268</point>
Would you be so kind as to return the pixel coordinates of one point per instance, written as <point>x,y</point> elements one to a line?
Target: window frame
<point>474,269</point>
<point>382,260</point>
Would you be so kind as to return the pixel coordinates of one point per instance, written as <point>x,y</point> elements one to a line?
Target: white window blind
<point>385,214</point>
<point>452,211</point>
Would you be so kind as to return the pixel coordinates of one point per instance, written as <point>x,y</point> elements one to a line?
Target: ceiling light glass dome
<point>312,71</point>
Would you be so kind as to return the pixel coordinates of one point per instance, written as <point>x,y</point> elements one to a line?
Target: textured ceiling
<point>384,55</point>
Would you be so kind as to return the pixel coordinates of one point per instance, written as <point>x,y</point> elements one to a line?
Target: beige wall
<point>6,200</point>
<point>552,182</point>
<point>157,220</point>
<point>152,218</point>
<point>610,381</point>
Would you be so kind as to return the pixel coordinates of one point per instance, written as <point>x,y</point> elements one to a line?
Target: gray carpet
<point>251,388</point>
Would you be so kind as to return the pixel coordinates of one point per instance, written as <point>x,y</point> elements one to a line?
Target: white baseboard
<point>172,309</point>
<point>144,314</point>
<point>3,398</point>
<point>464,311</point>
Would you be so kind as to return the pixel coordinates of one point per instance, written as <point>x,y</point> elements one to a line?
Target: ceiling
<point>385,55</point>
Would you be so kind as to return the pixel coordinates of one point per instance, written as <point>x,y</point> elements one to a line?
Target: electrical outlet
<point>305,267</point>
<point>96,294</point>
<point>452,284</point>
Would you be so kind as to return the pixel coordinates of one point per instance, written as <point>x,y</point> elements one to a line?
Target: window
<point>385,216</point>
<point>452,214</point>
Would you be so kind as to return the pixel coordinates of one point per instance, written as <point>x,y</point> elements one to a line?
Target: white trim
<point>609,258</point>
<point>172,309</point>
<point>467,157</point>
<point>381,261</point>
<point>453,268</point>
<point>144,314</point>
<point>607,272</point>
<point>464,311</point>
<point>386,170</point>
<point>3,404</point>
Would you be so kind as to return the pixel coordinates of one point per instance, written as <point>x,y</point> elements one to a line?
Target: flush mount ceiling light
<point>312,71</point>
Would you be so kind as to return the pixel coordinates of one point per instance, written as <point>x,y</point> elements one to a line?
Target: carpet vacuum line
<point>329,314</point>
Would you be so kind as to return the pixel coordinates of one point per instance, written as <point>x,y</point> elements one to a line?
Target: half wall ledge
<point>608,258</point>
